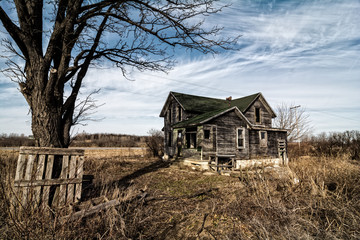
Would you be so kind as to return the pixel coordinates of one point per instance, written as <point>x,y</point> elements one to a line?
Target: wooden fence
<point>38,183</point>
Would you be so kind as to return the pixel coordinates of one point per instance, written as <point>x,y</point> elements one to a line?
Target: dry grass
<point>162,202</point>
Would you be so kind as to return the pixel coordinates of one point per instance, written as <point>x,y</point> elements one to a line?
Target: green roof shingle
<point>200,104</point>
<point>206,107</point>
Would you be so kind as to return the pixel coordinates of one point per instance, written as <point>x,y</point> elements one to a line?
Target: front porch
<point>228,163</point>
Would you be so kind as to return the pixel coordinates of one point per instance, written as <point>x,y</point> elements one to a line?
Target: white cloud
<point>303,52</point>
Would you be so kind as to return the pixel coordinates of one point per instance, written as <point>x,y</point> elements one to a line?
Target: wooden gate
<point>37,183</point>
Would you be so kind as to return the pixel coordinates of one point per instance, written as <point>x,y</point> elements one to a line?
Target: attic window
<point>257,115</point>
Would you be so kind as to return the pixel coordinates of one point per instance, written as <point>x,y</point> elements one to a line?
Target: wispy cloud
<point>301,52</point>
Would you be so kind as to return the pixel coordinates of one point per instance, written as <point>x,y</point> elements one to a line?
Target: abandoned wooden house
<point>225,133</point>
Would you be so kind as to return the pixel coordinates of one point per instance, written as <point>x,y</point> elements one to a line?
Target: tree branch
<point>14,31</point>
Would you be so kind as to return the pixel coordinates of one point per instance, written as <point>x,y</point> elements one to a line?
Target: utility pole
<point>297,123</point>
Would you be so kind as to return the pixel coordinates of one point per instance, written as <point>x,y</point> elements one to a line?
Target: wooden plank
<point>70,192</point>
<point>63,176</point>
<point>91,210</point>
<point>19,175</point>
<point>39,174</point>
<point>48,173</point>
<point>216,163</point>
<point>79,175</point>
<point>27,177</point>
<point>20,167</point>
<point>221,165</point>
<point>52,151</point>
<point>47,182</point>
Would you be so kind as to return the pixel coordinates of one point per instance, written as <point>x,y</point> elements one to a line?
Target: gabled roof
<point>206,108</point>
<point>199,104</point>
<point>205,117</point>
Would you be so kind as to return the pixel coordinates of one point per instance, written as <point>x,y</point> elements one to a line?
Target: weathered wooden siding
<point>172,117</point>
<point>208,145</point>
<point>226,138</point>
<point>265,115</point>
<point>271,149</point>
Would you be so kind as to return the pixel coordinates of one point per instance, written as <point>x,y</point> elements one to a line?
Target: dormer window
<point>257,115</point>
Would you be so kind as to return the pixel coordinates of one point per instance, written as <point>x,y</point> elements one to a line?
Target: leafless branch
<point>85,109</point>
<point>297,123</point>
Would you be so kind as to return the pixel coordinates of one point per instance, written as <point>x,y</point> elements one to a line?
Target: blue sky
<point>298,52</point>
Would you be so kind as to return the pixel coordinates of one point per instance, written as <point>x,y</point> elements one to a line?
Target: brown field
<point>160,200</point>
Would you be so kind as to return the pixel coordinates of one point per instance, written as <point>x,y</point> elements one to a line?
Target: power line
<point>335,115</point>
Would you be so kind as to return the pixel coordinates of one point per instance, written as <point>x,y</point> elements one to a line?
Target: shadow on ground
<point>92,190</point>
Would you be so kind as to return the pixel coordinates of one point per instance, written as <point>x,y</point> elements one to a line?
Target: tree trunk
<point>46,104</point>
<point>46,123</point>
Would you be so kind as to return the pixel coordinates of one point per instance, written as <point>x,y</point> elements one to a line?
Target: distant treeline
<point>333,144</point>
<point>80,140</point>
<point>16,140</point>
<point>108,140</point>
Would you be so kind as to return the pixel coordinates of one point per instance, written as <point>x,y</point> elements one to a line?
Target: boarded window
<point>240,137</point>
<point>257,115</point>
<point>263,138</point>
<point>206,134</point>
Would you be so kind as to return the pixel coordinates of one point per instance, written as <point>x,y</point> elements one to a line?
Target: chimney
<point>229,100</point>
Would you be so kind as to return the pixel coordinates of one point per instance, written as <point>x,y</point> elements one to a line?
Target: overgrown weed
<point>317,198</point>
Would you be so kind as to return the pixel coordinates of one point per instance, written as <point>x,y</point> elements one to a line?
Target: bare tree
<point>52,44</point>
<point>155,142</point>
<point>294,119</point>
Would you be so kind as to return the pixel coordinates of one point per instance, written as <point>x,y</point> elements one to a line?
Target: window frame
<point>263,142</point>
<point>243,137</point>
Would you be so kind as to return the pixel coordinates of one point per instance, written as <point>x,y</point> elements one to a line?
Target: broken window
<point>206,134</point>
<point>263,138</point>
<point>240,137</point>
<point>191,137</point>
